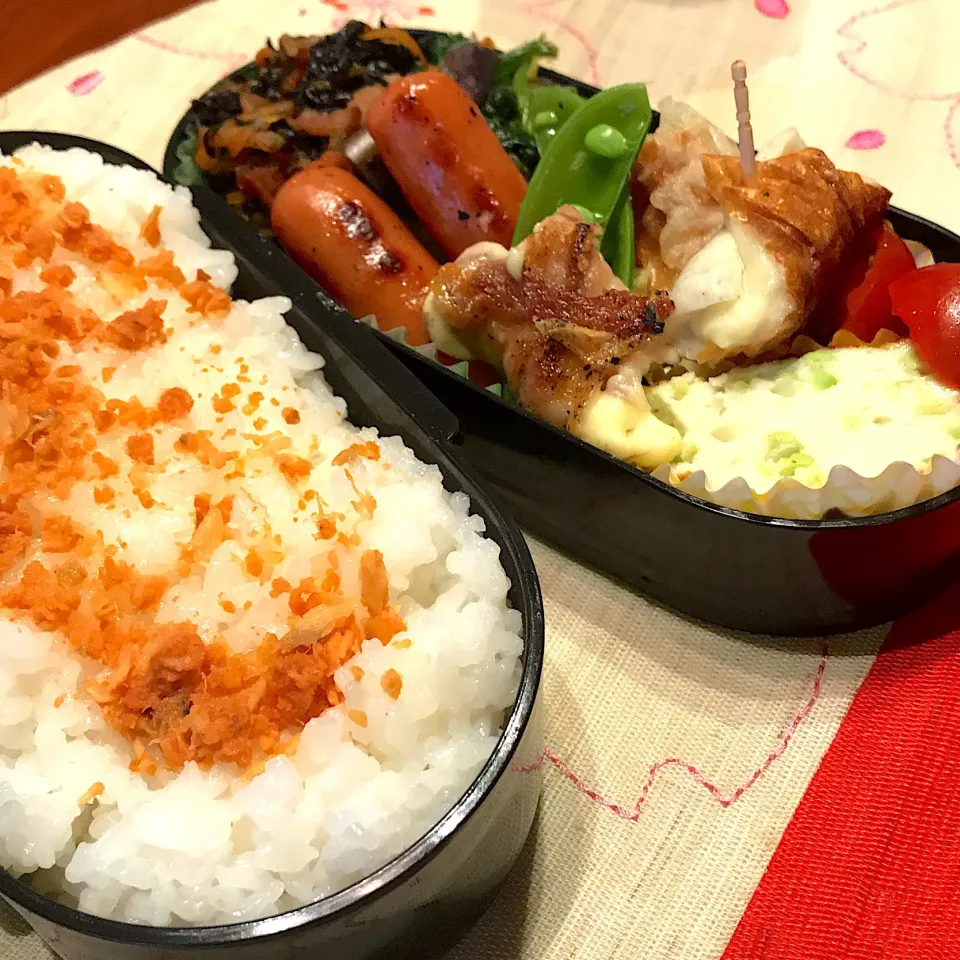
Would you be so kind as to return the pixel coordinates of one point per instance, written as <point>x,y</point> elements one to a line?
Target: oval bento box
<point>734,569</point>
<point>425,899</point>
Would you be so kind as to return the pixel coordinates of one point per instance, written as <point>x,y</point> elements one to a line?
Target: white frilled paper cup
<point>899,485</point>
<point>881,487</point>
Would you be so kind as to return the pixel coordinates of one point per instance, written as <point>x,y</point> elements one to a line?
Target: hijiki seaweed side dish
<point>297,101</point>
<point>302,97</point>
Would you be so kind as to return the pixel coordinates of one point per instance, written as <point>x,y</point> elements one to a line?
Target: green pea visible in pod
<point>587,215</point>
<point>543,110</point>
<point>606,141</point>
<point>560,103</point>
<point>545,118</point>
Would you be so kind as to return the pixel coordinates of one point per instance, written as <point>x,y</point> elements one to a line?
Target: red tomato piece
<point>484,374</point>
<point>831,314</point>
<point>868,309</point>
<point>478,371</point>
<point>928,301</point>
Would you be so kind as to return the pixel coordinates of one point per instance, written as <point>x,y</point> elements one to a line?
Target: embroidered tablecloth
<point>676,753</point>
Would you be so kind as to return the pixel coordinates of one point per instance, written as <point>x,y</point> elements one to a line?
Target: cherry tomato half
<point>928,301</point>
<point>868,309</point>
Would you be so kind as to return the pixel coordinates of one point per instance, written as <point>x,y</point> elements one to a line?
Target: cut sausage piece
<point>353,244</point>
<point>449,164</point>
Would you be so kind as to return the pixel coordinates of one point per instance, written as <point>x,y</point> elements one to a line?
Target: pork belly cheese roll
<point>572,341</point>
<point>746,264</point>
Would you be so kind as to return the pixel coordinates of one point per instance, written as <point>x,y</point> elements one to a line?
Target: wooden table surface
<point>40,34</point>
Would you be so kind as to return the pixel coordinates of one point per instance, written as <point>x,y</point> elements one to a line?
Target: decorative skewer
<point>748,157</point>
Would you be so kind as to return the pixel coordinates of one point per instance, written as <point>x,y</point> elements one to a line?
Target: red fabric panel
<point>869,866</point>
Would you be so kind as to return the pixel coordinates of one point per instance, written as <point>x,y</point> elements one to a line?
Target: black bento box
<point>425,899</point>
<point>733,569</point>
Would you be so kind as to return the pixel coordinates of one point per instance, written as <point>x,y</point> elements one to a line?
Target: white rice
<point>210,847</point>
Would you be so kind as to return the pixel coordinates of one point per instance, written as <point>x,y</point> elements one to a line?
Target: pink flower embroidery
<point>776,9</point>
<point>867,140</point>
<point>85,83</point>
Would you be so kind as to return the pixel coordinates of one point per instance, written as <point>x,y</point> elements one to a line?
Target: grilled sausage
<point>353,244</point>
<point>449,164</point>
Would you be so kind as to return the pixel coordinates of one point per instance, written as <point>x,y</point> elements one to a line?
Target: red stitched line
<point>952,148</point>
<point>846,57</point>
<point>538,8</point>
<point>196,54</point>
<point>632,814</point>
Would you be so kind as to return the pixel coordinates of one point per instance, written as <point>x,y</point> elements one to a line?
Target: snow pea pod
<point>618,245</point>
<point>588,161</point>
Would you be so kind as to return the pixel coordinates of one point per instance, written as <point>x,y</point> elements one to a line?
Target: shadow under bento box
<point>421,902</point>
<point>730,568</point>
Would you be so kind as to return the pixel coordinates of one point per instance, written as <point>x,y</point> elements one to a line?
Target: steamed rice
<point>420,714</point>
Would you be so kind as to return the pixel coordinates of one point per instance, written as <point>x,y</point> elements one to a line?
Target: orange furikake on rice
<point>177,695</point>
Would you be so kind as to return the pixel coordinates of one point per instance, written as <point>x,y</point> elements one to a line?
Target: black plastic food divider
<point>425,899</point>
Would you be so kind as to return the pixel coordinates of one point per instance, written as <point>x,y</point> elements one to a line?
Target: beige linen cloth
<point>715,735</point>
